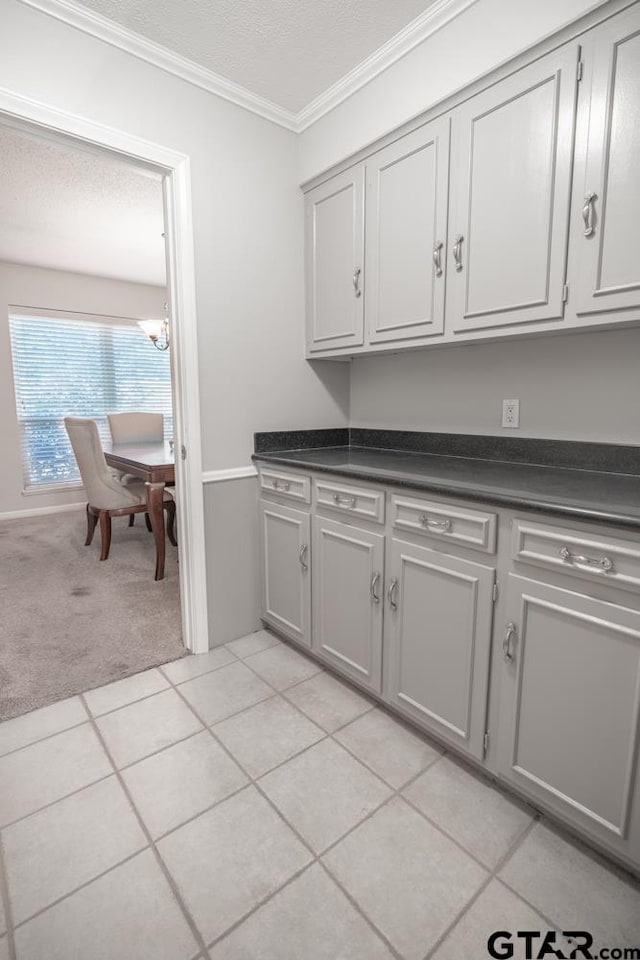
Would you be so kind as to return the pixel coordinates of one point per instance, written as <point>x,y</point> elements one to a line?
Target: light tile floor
<point>246,805</point>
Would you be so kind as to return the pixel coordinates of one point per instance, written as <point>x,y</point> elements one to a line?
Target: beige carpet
<point>68,622</point>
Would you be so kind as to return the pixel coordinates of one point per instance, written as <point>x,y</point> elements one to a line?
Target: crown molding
<point>434,18</point>
<point>81,18</point>
<point>138,46</point>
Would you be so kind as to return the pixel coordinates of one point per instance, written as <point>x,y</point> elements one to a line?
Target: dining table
<point>154,464</point>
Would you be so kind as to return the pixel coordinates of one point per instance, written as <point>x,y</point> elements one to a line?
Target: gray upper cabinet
<point>286,576</point>
<point>511,177</point>
<point>406,236</point>
<point>334,246</point>
<point>348,581</point>
<point>570,707</point>
<point>606,220</point>
<point>438,641</point>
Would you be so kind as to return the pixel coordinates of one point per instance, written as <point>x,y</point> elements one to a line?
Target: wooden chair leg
<point>92,521</point>
<point>132,518</point>
<point>170,507</point>
<point>105,534</point>
<point>147,520</point>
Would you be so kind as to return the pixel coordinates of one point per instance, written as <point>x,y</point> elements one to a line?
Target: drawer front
<point>468,528</point>
<point>293,486</point>
<point>352,501</point>
<point>606,559</point>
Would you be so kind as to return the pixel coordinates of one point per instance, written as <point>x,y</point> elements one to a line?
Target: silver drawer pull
<point>602,563</point>
<point>302,556</point>
<point>457,252</point>
<point>375,579</point>
<point>510,633</point>
<point>587,214</point>
<point>437,257</point>
<point>443,526</point>
<point>344,501</point>
<point>356,283</point>
<point>278,485</point>
<point>392,594</point>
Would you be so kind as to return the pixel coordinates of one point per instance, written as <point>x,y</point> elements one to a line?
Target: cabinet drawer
<point>353,501</point>
<point>469,528</point>
<point>607,559</point>
<point>290,485</point>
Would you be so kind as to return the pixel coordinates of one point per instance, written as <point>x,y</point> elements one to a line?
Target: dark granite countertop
<point>579,493</point>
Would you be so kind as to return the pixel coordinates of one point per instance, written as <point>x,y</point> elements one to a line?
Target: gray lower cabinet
<point>348,580</point>
<point>286,574</point>
<point>438,641</point>
<point>570,707</point>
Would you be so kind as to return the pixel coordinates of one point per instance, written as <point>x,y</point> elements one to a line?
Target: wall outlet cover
<point>511,413</point>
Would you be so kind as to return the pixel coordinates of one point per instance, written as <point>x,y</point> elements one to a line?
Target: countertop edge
<point>468,492</point>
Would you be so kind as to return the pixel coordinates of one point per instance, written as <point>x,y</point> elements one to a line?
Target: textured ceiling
<point>69,210</point>
<point>287,51</point>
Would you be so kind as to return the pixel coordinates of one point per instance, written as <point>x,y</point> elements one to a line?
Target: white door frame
<point>20,111</point>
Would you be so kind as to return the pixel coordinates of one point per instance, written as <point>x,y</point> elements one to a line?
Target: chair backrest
<point>136,427</point>
<point>103,490</point>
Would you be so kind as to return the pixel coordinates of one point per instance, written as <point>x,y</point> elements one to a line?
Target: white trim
<point>174,166</point>
<point>433,19</point>
<point>42,511</point>
<point>233,473</point>
<point>159,56</point>
<point>436,16</point>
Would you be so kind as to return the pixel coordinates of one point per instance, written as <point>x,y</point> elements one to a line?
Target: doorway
<point>173,169</point>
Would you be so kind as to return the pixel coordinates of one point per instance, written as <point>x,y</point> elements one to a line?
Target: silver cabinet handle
<point>437,257</point>
<point>277,485</point>
<point>442,525</point>
<point>587,214</point>
<point>302,555</point>
<point>601,563</point>
<point>510,633</point>
<point>392,593</point>
<point>457,252</point>
<point>375,579</point>
<point>344,501</point>
<point>356,282</point>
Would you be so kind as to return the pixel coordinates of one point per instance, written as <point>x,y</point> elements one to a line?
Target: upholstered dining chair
<point>136,427</point>
<point>106,496</point>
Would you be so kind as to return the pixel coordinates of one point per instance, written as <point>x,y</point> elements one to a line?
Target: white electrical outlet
<point>511,413</point>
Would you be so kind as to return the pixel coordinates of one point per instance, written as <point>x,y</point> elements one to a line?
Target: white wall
<point>574,387</point>
<point>487,34</point>
<point>33,287</point>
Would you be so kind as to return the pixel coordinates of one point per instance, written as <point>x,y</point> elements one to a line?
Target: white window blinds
<point>82,368</point>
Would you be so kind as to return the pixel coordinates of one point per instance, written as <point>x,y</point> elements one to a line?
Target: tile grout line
<point>6,903</point>
<point>52,803</point>
<point>315,858</point>
<point>201,945</point>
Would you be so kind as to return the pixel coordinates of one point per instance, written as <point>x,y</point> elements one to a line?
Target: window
<point>84,368</point>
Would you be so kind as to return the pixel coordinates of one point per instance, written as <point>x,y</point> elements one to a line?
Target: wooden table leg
<point>155,509</point>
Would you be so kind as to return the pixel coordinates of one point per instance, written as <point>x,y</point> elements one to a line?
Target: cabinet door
<point>605,232</point>
<point>438,641</point>
<point>348,580</point>
<point>510,194</point>
<point>286,580</point>
<point>570,699</point>
<point>406,231</point>
<point>335,260</point>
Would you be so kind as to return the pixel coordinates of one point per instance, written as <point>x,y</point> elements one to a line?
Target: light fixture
<point>157,331</point>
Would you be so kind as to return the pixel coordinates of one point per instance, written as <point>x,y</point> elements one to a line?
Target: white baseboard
<point>41,511</point>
